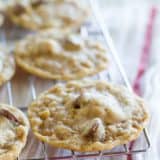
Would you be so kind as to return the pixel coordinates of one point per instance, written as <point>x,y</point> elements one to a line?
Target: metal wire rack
<point>95,30</point>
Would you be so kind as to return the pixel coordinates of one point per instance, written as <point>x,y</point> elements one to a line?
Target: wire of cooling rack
<point>101,31</point>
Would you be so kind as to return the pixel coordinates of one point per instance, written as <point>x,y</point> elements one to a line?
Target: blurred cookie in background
<point>41,14</point>
<point>1,19</point>
<point>60,57</point>
<point>7,66</point>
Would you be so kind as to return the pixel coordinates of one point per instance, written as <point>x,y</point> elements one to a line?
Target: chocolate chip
<point>19,9</point>
<point>9,115</point>
<point>37,3</point>
<point>92,131</point>
<point>77,106</point>
<point>76,103</point>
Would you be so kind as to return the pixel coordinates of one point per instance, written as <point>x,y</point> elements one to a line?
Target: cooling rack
<point>16,94</point>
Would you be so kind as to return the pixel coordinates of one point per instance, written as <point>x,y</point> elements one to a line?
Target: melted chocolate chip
<point>37,3</point>
<point>9,115</point>
<point>19,9</point>
<point>77,106</point>
<point>76,103</point>
<point>92,131</point>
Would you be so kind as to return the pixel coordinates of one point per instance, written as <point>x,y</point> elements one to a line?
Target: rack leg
<point>100,155</point>
<point>44,152</point>
<point>74,157</point>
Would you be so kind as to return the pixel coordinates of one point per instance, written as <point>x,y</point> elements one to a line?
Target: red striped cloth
<point>144,59</point>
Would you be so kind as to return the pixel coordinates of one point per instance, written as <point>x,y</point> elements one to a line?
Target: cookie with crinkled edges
<point>7,67</point>
<point>65,15</point>
<point>60,57</point>
<point>1,19</point>
<point>87,116</point>
<point>14,127</point>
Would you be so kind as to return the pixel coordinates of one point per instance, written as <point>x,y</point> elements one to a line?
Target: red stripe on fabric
<point>144,59</point>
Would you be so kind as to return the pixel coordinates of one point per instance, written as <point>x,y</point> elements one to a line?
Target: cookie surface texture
<point>41,14</point>
<point>14,128</point>
<point>60,57</point>
<point>87,116</point>
<point>7,67</point>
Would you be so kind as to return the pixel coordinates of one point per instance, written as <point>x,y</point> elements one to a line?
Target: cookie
<point>41,14</point>
<point>7,67</point>
<point>1,19</point>
<point>60,57</point>
<point>14,128</point>
<point>87,116</point>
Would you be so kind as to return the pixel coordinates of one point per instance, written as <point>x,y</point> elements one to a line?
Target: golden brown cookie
<point>87,116</point>
<point>7,67</point>
<point>1,19</point>
<point>60,57</point>
<point>41,14</point>
<point>14,128</point>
